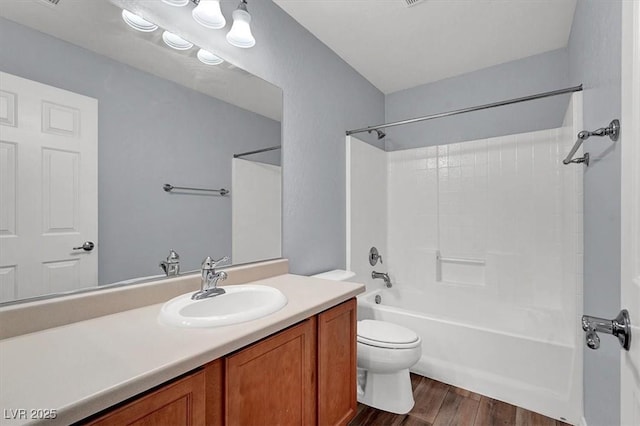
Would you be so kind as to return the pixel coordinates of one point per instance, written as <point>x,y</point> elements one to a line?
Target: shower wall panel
<point>496,222</point>
<point>366,177</point>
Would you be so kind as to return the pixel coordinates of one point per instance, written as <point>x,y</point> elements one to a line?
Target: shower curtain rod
<point>257,151</point>
<point>470,109</point>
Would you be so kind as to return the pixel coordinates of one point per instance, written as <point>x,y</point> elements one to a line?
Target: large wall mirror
<point>96,119</point>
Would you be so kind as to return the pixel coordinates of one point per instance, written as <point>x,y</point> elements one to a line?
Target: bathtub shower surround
<point>366,181</point>
<point>495,221</point>
<point>484,243</point>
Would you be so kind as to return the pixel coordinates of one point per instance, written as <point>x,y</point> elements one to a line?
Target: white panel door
<point>630,368</point>
<point>48,189</point>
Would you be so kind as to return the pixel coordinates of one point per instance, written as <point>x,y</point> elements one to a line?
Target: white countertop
<point>82,368</point>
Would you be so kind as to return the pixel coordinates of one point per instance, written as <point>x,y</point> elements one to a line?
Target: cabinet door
<point>273,381</point>
<point>214,378</point>
<point>179,403</point>
<point>337,402</point>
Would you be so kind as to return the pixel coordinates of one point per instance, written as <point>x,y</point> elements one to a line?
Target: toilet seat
<point>383,334</point>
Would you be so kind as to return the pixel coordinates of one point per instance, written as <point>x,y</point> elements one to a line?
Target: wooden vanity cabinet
<point>303,375</point>
<point>337,361</point>
<point>214,392</point>
<point>179,403</point>
<point>273,382</point>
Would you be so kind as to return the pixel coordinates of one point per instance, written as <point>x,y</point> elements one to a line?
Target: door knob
<point>86,246</point>
<point>620,327</point>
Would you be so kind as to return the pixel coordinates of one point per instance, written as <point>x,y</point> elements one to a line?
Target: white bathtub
<point>536,372</point>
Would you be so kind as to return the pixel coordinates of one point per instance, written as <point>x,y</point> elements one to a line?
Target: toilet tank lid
<point>336,275</point>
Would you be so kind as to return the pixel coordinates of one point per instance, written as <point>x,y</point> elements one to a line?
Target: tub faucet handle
<point>592,339</point>
<point>620,327</point>
<point>374,256</point>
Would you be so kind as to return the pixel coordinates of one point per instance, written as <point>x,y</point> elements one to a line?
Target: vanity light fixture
<point>174,41</point>
<point>240,34</point>
<point>208,58</point>
<point>208,14</point>
<point>138,23</point>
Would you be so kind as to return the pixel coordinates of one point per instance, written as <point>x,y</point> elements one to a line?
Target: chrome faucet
<point>171,266</point>
<point>620,327</point>
<point>209,284</point>
<point>385,277</point>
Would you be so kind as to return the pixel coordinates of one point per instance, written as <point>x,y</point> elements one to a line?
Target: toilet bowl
<point>386,351</point>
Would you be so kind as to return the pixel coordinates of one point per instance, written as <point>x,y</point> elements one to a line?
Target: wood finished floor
<point>440,404</point>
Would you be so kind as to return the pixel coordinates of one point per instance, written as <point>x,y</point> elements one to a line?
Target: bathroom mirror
<point>72,220</point>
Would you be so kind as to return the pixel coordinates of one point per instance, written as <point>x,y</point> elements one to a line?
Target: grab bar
<point>461,260</point>
<point>612,130</point>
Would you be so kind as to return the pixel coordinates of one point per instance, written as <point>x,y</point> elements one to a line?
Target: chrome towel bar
<point>612,130</point>
<point>168,188</point>
<point>257,151</point>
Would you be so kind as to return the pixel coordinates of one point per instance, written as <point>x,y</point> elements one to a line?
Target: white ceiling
<point>398,47</point>
<point>97,25</point>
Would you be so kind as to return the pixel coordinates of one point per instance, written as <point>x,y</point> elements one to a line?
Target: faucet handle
<point>224,259</point>
<point>209,263</point>
<point>173,256</point>
<point>374,256</point>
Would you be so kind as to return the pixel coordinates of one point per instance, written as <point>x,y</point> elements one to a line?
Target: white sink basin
<point>240,303</point>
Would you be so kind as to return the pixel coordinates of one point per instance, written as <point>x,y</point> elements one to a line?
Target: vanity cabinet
<point>337,360</point>
<point>273,382</point>
<point>179,403</point>
<point>303,375</point>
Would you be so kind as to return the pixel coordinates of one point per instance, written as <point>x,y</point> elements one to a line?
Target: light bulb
<point>138,23</point>
<point>178,3</point>
<point>209,58</point>
<point>175,41</point>
<point>240,33</point>
<point>208,14</point>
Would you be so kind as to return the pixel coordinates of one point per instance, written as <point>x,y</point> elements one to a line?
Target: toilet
<point>386,351</point>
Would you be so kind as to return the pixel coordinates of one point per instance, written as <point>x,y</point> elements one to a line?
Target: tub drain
<point>378,299</point>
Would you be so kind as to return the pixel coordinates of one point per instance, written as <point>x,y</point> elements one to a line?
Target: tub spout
<point>385,278</point>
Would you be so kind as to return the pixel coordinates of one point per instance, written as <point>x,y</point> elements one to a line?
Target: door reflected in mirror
<point>92,129</point>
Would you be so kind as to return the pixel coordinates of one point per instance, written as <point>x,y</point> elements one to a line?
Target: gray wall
<point>595,60</point>
<point>323,97</point>
<point>151,132</point>
<point>535,74</point>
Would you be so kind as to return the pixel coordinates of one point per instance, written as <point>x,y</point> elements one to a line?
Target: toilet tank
<point>336,275</point>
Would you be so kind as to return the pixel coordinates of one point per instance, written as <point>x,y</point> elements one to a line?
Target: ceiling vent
<point>410,3</point>
<point>50,2</point>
